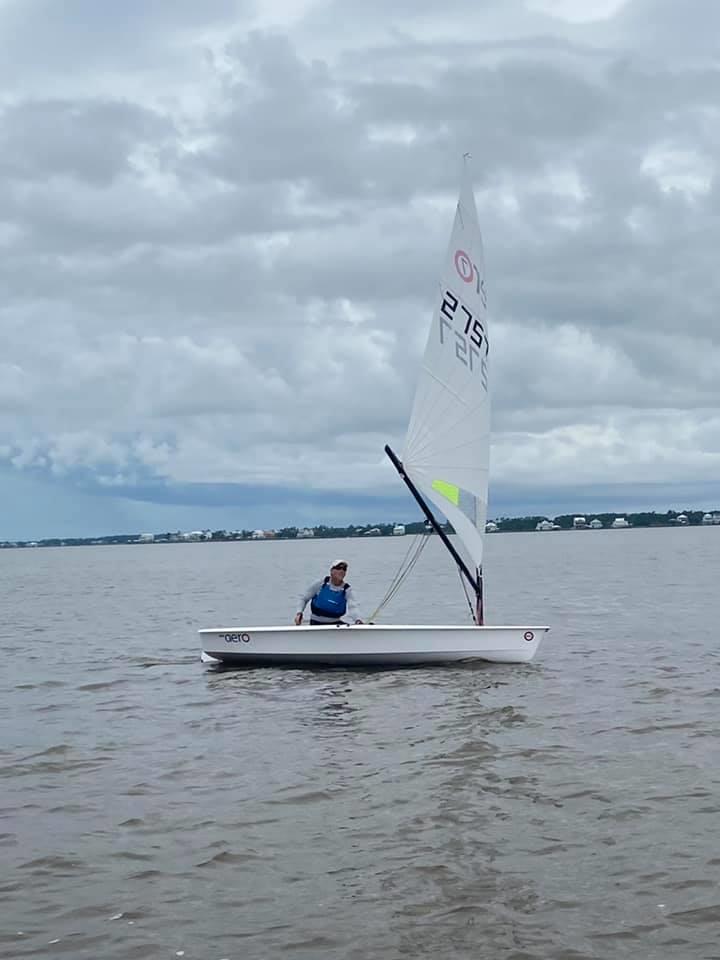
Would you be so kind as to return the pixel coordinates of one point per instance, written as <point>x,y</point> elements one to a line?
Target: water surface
<point>564,809</point>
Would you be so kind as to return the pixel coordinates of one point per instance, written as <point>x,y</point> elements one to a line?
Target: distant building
<point>544,525</point>
<point>491,527</point>
<point>305,533</point>
<point>146,538</point>
<point>682,520</point>
<point>596,524</point>
<point>619,523</point>
<point>258,535</point>
<point>373,532</point>
<point>579,523</point>
<point>398,530</point>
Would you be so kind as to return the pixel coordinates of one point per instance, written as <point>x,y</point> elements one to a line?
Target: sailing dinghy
<point>444,465</point>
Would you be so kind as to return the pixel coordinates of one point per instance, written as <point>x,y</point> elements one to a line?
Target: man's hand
<point>298,619</point>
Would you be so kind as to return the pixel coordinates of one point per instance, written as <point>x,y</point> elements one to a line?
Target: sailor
<point>329,598</point>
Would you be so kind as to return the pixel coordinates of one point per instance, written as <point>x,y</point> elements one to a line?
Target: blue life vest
<point>328,602</point>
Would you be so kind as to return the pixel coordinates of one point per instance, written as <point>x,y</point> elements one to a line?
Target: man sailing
<point>329,599</point>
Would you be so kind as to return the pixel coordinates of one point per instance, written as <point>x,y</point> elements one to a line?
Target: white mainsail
<point>445,458</point>
<point>447,447</point>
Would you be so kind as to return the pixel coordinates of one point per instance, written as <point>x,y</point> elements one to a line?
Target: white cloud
<point>663,446</point>
<point>573,11</point>
<point>220,245</point>
<point>676,168</point>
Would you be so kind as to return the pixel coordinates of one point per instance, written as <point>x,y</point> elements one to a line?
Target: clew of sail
<point>447,447</point>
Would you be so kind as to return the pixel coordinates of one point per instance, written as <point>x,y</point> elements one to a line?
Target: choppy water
<point>565,809</point>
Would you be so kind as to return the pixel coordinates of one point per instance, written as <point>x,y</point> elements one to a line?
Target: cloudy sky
<point>221,227</point>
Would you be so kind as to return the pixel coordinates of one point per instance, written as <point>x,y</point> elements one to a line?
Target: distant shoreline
<point>540,524</point>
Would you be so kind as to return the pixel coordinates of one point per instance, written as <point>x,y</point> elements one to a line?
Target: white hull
<point>369,645</point>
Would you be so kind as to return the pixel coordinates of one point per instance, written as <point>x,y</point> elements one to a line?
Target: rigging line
<point>417,546</point>
<point>409,554</point>
<point>406,559</point>
<point>416,556</point>
<point>402,579</point>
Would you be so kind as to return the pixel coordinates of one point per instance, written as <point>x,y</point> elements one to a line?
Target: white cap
<point>339,563</point>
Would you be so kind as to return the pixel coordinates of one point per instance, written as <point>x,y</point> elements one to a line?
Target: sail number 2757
<point>459,326</point>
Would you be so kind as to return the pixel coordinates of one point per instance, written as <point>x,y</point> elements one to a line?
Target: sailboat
<point>445,465</point>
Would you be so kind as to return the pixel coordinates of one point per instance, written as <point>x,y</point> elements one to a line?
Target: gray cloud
<point>240,291</point>
<point>88,141</point>
<point>83,36</point>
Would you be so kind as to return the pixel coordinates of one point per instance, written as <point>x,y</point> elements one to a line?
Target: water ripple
<point>152,807</point>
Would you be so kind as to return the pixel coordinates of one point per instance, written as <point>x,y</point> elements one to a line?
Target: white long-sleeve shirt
<point>314,588</point>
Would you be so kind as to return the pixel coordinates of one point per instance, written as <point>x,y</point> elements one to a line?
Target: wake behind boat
<point>445,464</point>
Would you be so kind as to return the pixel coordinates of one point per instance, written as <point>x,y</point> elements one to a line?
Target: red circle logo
<point>464,266</point>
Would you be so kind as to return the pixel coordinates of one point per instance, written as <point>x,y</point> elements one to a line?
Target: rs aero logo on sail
<point>468,272</point>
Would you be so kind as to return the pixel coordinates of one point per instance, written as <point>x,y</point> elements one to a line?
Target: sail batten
<point>447,447</point>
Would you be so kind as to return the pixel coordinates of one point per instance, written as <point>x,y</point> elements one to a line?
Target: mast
<point>475,582</point>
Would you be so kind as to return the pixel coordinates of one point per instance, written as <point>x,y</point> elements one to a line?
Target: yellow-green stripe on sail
<point>447,490</point>
<point>466,502</point>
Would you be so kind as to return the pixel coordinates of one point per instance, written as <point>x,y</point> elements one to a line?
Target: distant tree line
<point>565,521</point>
<point>323,532</point>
